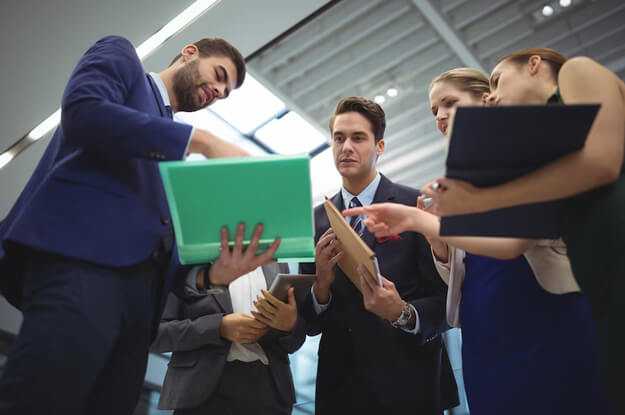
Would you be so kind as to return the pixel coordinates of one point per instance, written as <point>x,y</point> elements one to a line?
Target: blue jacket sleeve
<point>95,116</point>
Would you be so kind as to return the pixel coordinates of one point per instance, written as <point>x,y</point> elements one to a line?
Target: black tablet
<point>301,282</point>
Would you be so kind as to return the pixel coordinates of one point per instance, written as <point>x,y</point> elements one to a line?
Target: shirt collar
<point>161,88</point>
<point>366,196</point>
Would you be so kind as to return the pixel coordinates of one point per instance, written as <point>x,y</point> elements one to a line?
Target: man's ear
<point>189,52</point>
<point>379,147</point>
<point>533,64</point>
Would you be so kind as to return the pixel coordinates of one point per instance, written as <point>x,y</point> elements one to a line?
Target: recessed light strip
<point>145,49</point>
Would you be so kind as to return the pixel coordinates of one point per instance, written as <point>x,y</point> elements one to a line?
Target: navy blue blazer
<point>96,195</point>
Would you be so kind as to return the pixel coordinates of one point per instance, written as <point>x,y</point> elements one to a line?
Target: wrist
<point>214,279</point>
<point>416,220</point>
<point>198,141</point>
<point>397,310</point>
<point>406,317</point>
<point>322,292</point>
<point>200,281</point>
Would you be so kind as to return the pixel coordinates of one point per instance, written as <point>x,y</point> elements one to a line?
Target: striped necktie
<point>356,221</point>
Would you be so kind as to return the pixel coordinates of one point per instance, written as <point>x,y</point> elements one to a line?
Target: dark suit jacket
<point>402,371</point>
<point>96,195</point>
<point>190,329</point>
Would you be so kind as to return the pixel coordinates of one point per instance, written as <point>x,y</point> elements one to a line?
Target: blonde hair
<point>468,80</point>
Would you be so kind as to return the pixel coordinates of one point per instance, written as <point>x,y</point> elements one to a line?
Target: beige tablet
<point>355,250</point>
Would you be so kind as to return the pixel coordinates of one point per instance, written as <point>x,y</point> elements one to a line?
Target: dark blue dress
<point>525,351</point>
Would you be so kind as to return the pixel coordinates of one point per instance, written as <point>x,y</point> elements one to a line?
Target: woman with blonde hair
<point>528,336</point>
<point>592,180</point>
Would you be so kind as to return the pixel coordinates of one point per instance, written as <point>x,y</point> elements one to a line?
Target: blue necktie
<point>356,221</point>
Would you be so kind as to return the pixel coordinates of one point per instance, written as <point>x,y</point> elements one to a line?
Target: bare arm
<point>384,219</point>
<point>501,248</point>
<point>581,80</point>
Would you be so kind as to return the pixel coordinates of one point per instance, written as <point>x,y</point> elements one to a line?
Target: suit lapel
<point>337,200</point>
<point>157,96</point>
<point>384,193</point>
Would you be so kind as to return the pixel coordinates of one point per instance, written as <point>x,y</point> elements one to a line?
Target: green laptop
<point>205,195</point>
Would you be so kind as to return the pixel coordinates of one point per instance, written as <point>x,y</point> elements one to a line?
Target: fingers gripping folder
<point>203,196</point>
<point>355,251</point>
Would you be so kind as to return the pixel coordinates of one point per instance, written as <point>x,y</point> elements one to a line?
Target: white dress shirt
<point>160,85</point>
<point>243,292</point>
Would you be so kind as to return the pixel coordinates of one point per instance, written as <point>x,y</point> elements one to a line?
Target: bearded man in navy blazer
<point>87,250</point>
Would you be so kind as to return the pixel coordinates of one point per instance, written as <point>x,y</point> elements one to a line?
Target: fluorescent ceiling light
<point>379,99</point>
<point>175,25</point>
<point>5,158</point>
<point>178,23</point>
<point>46,126</point>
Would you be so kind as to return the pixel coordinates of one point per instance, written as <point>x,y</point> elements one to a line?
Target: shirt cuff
<point>186,149</point>
<point>417,324</point>
<point>320,308</point>
<point>191,281</point>
<point>443,268</point>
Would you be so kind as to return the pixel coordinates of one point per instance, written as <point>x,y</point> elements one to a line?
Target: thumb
<point>291,294</point>
<point>386,283</point>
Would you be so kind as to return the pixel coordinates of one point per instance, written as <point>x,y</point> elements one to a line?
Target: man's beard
<point>185,87</point>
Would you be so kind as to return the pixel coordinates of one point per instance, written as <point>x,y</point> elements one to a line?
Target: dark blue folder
<point>493,145</point>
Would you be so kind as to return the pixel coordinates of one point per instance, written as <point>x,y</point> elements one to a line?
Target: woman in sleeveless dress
<point>528,338</point>
<point>592,180</point>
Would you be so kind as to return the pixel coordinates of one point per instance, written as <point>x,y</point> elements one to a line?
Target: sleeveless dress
<point>593,227</point>
<point>525,350</point>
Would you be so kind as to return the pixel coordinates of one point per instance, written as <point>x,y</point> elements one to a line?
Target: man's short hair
<point>214,46</point>
<point>365,107</point>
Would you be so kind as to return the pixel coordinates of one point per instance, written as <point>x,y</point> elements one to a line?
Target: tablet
<point>355,251</point>
<point>301,282</point>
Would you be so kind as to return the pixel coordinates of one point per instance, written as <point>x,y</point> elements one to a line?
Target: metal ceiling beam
<point>448,33</point>
<point>381,22</point>
<point>310,33</point>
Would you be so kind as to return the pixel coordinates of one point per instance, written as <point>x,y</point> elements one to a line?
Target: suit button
<point>165,221</point>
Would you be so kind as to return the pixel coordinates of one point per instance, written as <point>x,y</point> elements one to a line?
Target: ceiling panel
<point>364,47</point>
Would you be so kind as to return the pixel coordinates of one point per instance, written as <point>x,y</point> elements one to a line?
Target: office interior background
<point>302,56</point>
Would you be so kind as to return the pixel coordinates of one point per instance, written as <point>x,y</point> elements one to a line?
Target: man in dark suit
<point>380,351</point>
<point>224,360</point>
<point>89,241</point>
